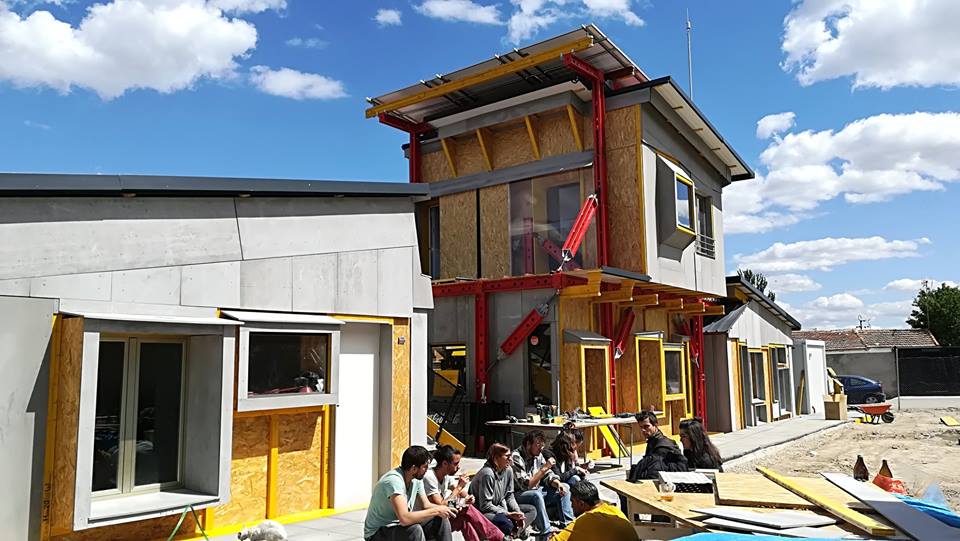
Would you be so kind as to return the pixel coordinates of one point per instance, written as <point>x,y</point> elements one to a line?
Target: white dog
<point>267,530</point>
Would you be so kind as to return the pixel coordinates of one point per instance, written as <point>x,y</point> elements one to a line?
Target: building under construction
<point>574,229</point>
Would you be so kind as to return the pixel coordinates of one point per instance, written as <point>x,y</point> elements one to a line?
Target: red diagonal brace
<point>623,332</point>
<point>579,229</point>
<point>523,330</point>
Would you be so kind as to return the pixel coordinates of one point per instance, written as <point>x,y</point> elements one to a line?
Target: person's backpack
<point>649,466</point>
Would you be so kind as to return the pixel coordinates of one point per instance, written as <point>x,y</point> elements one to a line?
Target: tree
<point>938,310</point>
<point>757,280</point>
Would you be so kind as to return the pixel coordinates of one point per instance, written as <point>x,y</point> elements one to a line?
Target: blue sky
<point>853,205</point>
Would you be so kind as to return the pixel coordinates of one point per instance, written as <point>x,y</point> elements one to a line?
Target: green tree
<point>757,280</point>
<point>938,310</point>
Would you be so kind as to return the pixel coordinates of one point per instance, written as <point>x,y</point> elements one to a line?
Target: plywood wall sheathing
<point>555,135</point>
<point>64,472</point>
<point>623,218</point>
<point>158,528</point>
<point>657,320</point>
<point>620,128</point>
<point>434,167</point>
<point>484,148</point>
<point>572,314</point>
<point>495,231</point>
<point>450,153</point>
<point>400,427</point>
<point>469,156</point>
<point>300,463</point>
<point>627,369</point>
<point>458,235</point>
<point>597,378</point>
<point>534,138</point>
<point>510,145</point>
<point>651,370</point>
<point>248,472</point>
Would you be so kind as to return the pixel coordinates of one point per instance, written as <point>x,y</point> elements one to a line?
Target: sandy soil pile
<point>918,448</point>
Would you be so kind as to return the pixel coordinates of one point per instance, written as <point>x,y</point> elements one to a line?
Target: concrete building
<point>253,348</point>
<point>749,361</point>
<point>574,229</point>
<point>870,353</point>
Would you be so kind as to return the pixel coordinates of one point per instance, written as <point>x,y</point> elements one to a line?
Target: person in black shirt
<point>662,453</point>
<point>699,451</point>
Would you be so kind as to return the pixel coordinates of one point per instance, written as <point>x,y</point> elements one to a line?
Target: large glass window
<point>542,212</point>
<point>685,202</point>
<point>673,371</point>
<point>138,424</point>
<point>539,367</point>
<point>288,363</point>
<point>447,370</point>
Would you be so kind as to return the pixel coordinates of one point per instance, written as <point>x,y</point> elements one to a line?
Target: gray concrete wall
<point>25,328</point>
<point>880,366</point>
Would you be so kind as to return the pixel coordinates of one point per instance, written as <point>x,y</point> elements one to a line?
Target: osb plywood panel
<point>467,155</point>
<point>248,472</point>
<point>146,530</point>
<point>299,463</point>
<point>651,389</point>
<point>555,135</point>
<point>495,231</point>
<point>68,413</point>
<point>620,127</point>
<point>510,145</point>
<point>433,166</point>
<point>625,235</point>
<point>400,421</point>
<point>586,130</point>
<point>574,314</point>
<point>597,383</point>
<point>628,392</point>
<point>657,320</point>
<point>458,235</point>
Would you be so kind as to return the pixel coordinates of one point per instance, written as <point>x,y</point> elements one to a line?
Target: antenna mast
<point>690,53</point>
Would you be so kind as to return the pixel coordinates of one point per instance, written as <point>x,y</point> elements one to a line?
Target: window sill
<point>141,506</point>
<point>274,402</point>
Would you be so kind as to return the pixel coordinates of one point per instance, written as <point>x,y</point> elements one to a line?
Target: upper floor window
<point>288,363</point>
<point>706,245</point>
<point>542,212</point>
<point>685,202</point>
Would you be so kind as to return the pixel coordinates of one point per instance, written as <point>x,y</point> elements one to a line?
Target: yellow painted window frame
<point>688,368</point>
<point>583,375</point>
<point>764,357</point>
<point>682,350</point>
<point>691,202</point>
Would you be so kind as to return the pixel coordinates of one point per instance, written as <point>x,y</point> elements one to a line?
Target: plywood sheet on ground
<point>433,167</point>
<point>159,528</point>
<point>458,235</point>
<point>624,217</point>
<point>509,144</point>
<point>68,416</point>
<point>400,422</point>
<point>754,490</point>
<point>495,231</point>
<point>248,472</point>
<point>299,463</point>
<point>556,137</point>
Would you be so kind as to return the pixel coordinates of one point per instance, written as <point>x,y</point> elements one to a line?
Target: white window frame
<point>126,469</point>
<point>292,400</point>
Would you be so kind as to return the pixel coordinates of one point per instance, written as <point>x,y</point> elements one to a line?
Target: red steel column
<point>700,376</point>
<point>481,353</point>
<point>415,130</point>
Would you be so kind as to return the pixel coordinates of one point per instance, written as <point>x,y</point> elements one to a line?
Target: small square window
<point>288,363</point>
<point>685,203</point>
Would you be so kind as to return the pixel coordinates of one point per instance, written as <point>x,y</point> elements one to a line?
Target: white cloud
<point>530,17</point>
<point>840,301</point>
<point>37,125</point>
<point>908,285</point>
<point>123,45</point>
<point>774,124</point>
<point>298,85</point>
<point>388,17</point>
<point>792,283</point>
<point>460,11</point>
<point>869,160</point>
<point>249,6</point>
<point>881,43</point>
<point>826,253</point>
<point>844,310</point>
<point>307,43</point>
<point>617,9</point>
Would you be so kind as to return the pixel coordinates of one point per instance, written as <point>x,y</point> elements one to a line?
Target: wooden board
<point>469,156</point>
<point>748,489</point>
<point>300,462</point>
<point>554,132</point>
<point>628,379</point>
<point>646,492</point>
<point>154,529</point>
<point>458,235</point>
<point>656,319</point>
<point>571,314</point>
<point>778,520</point>
<point>949,421</point>
<point>495,231</point>
<point>68,416</point>
<point>597,378</point>
<point>914,522</point>
<point>248,472</point>
<point>651,383</point>
<point>620,128</point>
<point>509,144</point>
<point>433,167</point>
<point>803,532</point>
<point>400,422</point>
<point>835,507</point>
<point>624,220</point>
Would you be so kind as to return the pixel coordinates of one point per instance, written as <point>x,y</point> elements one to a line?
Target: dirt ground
<point>918,448</point>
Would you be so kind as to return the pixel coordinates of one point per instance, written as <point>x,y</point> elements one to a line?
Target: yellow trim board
<point>949,421</point>
<point>533,137</point>
<point>574,129</point>
<point>835,508</point>
<point>285,519</point>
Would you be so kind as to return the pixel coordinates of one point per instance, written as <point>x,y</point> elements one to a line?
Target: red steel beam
<point>481,354</point>
<point>415,130</point>
<point>557,280</point>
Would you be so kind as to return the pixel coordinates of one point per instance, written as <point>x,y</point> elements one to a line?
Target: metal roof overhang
<point>756,295</point>
<point>601,53</point>
<point>577,336</point>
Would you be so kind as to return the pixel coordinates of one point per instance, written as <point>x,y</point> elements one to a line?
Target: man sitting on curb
<point>536,483</point>
<point>443,487</point>
<point>596,520</point>
<point>390,515</point>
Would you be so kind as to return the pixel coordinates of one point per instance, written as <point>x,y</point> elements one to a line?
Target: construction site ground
<point>918,448</point>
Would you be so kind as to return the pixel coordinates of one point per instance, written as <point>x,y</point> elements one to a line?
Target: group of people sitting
<point>508,498</point>
<point>663,454</point>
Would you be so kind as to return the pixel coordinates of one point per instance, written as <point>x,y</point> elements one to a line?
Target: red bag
<point>890,484</point>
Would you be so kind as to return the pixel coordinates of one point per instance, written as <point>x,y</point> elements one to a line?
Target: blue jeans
<point>540,498</point>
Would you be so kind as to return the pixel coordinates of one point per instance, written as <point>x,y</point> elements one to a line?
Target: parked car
<point>861,390</point>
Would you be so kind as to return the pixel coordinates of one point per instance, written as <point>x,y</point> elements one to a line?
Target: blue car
<point>861,390</point>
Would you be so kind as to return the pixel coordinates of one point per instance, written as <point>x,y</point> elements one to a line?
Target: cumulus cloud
<point>529,17</point>
<point>248,6</point>
<point>880,43</point>
<point>869,160</point>
<point>840,301</point>
<point>827,253</point>
<point>124,45</point>
<point>615,9</point>
<point>388,17</point>
<point>289,83</point>
<point>792,283</point>
<point>460,11</point>
<point>774,124</point>
<point>908,285</point>
<point>844,310</point>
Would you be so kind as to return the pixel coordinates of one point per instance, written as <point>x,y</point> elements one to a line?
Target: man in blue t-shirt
<point>390,515</point>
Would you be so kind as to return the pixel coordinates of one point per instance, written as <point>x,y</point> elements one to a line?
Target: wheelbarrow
<point>873,413</point>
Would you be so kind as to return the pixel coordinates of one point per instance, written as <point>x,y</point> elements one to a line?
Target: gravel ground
<point>918,448</point>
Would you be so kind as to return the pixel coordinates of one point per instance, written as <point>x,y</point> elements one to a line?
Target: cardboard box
<point>835,407</point>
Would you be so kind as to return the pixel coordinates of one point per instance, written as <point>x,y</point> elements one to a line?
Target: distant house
<point>870,353</point>
<point>748,360</point>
